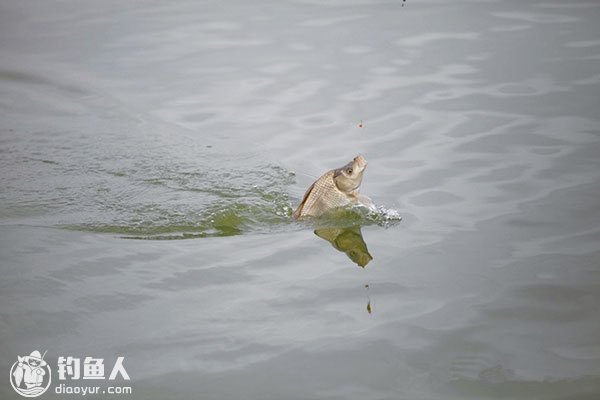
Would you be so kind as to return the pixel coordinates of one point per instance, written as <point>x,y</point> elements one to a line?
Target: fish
<point>336,188</point>
<point>18,373</point>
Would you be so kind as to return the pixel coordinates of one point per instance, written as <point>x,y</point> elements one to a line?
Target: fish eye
<point>349,171</point>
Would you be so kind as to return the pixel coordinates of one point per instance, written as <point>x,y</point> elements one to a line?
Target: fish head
<point>348,178</point>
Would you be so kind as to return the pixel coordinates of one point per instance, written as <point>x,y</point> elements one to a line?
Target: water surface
<point>206,122</point>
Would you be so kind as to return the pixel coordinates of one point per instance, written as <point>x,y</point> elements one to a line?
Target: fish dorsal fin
<point>298,211</point>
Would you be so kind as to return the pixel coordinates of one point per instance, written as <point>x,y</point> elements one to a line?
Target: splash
<point>384,216</point>
<point>357,216</point>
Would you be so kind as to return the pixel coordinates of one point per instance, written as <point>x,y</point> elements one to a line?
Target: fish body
<point>336,188</point>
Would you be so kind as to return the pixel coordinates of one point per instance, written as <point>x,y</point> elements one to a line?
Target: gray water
<point>126,126</point>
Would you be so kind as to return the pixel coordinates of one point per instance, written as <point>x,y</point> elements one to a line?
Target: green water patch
<point>166,202</point>
<point>235,218</point>
<point>222,218</point>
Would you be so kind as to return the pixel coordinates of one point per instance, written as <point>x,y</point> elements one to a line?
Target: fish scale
<point>336,188</point>
<point>323,195</point>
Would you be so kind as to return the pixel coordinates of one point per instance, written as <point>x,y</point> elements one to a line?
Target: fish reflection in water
<point>348,240</point>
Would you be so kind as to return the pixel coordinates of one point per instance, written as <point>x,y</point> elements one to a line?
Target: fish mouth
<point>360,161</point>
